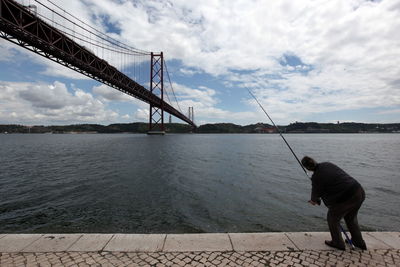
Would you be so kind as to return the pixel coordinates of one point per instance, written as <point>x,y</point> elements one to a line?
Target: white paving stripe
<point>16,242</point>
<point>52,243</point>
<point>197,242</point>
<point>91,242</point>
<point>390,238</point>
<point>136,243</point>
<point>261,242</point>
<point>373,243</point>
<point>310,240</point>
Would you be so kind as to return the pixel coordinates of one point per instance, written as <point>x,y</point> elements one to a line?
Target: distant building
<point>265,130</point>
<point>317,130</point>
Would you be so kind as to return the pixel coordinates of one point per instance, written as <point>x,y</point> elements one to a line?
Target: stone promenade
<point>233,249</point>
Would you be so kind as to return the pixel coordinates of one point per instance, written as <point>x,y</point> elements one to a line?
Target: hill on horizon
<point>142,127</point>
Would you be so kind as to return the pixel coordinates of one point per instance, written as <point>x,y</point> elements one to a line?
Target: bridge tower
<point>156,120</point>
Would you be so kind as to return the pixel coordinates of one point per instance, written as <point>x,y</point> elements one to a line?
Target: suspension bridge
<point>45,28</point>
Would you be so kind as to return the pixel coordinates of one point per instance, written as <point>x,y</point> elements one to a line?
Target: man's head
<point>309,163</point>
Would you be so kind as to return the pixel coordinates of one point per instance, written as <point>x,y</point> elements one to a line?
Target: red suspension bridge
<point>45,28</point>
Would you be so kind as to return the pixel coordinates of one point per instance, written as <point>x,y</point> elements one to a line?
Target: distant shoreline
<point>291,133</point>
<point>217,128</point>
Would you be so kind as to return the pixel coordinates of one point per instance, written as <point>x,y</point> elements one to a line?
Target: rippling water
<point>186,183</point>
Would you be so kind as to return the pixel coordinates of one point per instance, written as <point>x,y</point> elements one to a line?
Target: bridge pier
<point>156,132</point>
<point>156,114</point>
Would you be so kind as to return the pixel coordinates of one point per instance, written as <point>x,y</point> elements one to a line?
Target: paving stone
<point>197,242</point>
<point>52,243</point>
<point>372,242</point>
<point>261,242</point>
<point>15,243</point>
<point>390,238</point>
<point>91,242</point>
<point>136,243</point>
<point>310,240</point>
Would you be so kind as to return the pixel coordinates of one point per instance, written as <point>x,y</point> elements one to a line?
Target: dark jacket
<point>332,184</point>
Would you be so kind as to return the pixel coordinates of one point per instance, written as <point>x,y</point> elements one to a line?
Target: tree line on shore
<point>141,127</point>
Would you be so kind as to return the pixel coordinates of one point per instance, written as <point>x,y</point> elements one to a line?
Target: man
<point>343,196</point>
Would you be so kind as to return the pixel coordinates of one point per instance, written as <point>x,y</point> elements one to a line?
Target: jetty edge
<point>208,249</point>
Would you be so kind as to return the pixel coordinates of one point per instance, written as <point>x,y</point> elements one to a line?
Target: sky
<point>305,60</point>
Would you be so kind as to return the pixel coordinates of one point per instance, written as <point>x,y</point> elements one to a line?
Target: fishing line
<point>279,131</point>
<point>294,154</point>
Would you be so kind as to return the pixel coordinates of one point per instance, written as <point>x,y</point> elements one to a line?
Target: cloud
<point>297,96</point>
<point>107,94</point>
<point>391,111</point>
<point>6,54</point>
<point>110,94</point>
<point>189,71</point>
<point>201,94</point>
<point>349,49</point>
<point>346,51</point>
<point>56,70</point>
<point>204,102</point>
<point>141,114</point>
<point>30,103</point>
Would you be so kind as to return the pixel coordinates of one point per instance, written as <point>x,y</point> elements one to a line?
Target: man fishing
<point>343,196</point>
<point>341,193</point>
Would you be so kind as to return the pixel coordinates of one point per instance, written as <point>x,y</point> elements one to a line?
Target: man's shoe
<point>331,244</point>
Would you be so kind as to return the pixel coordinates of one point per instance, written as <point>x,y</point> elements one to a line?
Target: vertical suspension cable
<point>169,79</point>
<point>134,66</point>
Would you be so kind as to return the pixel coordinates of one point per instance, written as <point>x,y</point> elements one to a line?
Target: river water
<point>132,183</point>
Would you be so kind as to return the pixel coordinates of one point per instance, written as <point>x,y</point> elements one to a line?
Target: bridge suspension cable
<point>96,32</point>
<point>172,88</point>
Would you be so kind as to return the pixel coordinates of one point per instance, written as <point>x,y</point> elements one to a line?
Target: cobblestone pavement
<point>285,258</point>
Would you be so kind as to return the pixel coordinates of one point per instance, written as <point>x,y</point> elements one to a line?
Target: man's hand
<point>313,203</point>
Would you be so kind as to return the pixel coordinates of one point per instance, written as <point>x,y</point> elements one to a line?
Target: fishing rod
<point>279,131</point>
<point>294,154</point>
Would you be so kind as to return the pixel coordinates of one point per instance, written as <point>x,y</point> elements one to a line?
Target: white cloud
<point>189,71</point>
<point>391,111</point>
<point>6,54</point>
<point>30,103</point>
<point>107,94</point>
<point>204,102</point>
<point>351,46</point>
<point>110,94</point>
<point>350,49</point>
<point>141,114</point>
<point>202,94</point>
<point>56,70</point>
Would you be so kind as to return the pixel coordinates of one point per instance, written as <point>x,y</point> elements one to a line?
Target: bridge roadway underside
<point>22,27</point>
<point>233,249</point>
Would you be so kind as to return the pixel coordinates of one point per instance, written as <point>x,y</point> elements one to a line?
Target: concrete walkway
<point>232,249</point>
